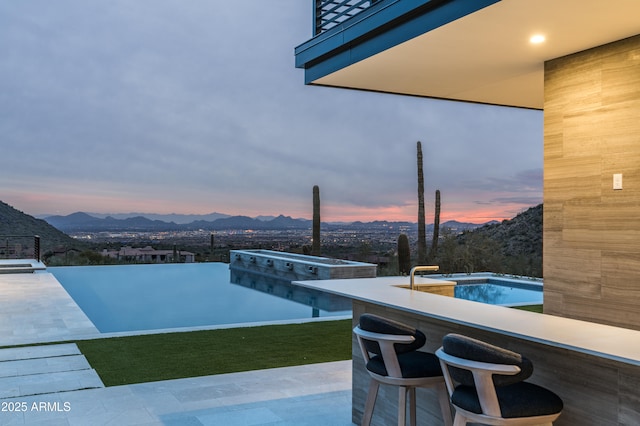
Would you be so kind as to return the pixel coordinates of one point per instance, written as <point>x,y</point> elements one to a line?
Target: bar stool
<point>391,356</point>
<point>486,385</point>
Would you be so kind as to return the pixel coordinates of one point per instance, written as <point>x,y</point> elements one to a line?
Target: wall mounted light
<point>537,39</point>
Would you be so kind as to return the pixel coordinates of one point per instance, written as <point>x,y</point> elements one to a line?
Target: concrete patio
<point>38,383</point>
<point>318,394</point>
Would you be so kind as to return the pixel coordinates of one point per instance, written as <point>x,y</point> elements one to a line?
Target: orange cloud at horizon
<point>46,203</point>
<point>463,213</point>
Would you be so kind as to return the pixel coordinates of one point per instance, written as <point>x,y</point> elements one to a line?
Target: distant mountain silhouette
<point>84,222</point>
<point>234,222</point>
<point>180,219</point>
<point>14,222</point>
<point>287,222</point>
<point>454,224</point>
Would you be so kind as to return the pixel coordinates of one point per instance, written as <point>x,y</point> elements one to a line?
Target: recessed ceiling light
<point>537,39</point>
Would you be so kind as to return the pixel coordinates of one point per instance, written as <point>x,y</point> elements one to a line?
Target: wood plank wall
<point>592,232</point>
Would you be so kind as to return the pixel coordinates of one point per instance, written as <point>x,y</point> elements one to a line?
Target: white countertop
<point>619,344</point>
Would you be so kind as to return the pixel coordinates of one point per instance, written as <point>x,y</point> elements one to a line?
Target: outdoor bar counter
<point>594,368</point>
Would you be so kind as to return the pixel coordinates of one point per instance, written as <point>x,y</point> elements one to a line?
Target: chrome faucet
<point>420,268</point>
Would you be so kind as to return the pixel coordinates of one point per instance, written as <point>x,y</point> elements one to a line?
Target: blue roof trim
<point>358,26</point>
<point>378,28</point>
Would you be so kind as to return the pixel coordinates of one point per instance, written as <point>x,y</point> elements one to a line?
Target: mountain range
<point>14,223</point>
<point>171,217</point>
<point>84,222</point>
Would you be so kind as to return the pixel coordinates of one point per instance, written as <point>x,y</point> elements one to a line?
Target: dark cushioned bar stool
<point>486,385</point>
<point>390,351</point>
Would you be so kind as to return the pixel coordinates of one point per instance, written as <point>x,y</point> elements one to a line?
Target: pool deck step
<point>38,370</point>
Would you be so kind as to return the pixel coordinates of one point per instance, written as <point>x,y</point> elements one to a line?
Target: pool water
<point>500,293</point>
<point>149,297</point>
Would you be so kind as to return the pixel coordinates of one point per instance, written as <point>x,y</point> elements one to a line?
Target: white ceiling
<point>487,57</point>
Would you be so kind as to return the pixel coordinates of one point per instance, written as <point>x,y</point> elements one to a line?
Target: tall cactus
<point>212,246</point>
<point>422,235</point>
<point>436,229</point>
<point>315,242</point>
<point>404,255</point>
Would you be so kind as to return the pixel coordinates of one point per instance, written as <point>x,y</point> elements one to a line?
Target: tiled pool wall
<point>292,266</point>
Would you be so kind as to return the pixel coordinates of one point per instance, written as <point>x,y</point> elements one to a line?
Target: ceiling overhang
<point>484,56</point>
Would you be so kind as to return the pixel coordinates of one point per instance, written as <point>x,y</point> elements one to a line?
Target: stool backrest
<point>377,324</point>
<point>387,338</point>
<point>476,350</point>
<point>470,362</point>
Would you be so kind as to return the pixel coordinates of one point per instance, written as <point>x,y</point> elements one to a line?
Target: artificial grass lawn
<point>152,357</point>
<point>147,358</point>
<point>531,308</point>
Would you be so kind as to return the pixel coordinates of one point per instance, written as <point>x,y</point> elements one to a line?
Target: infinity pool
<point>149,297</point>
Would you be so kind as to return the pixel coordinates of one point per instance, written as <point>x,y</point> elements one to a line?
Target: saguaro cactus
<point>404,255</point>
<point>422,236</point>
<point>436,228</point>
<point>315,244</point>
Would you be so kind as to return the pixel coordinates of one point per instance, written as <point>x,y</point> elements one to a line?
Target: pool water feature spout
<point>423,268</point>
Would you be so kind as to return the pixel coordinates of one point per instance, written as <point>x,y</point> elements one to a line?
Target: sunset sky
<point>169,106</point>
